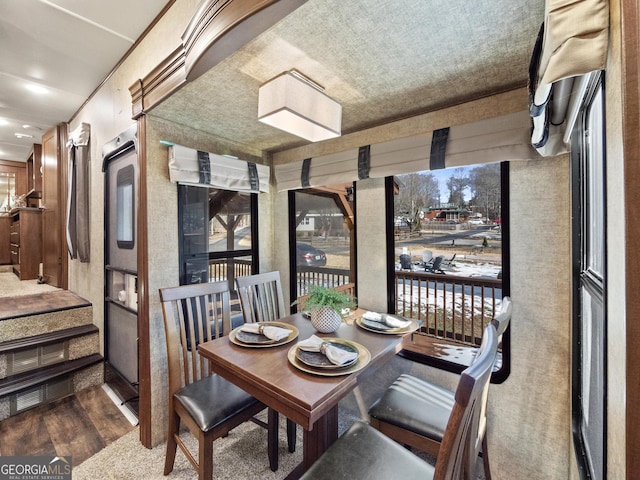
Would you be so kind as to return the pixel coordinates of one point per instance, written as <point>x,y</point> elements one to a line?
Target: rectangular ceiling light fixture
<point>295,104</point>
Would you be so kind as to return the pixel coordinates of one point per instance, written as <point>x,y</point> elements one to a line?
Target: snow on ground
<point>480,269</point>
<point>477,268</point>
<point>426,300</point>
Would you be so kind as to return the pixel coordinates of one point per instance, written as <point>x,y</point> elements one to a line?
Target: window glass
<point>589,325</point>
<point>229,221</point>
<point>448,238</point>
<point>595,192</point>
<point>323,237</point>
<point>216,236</point>
<point>124,206</point>
<point>593,381</point>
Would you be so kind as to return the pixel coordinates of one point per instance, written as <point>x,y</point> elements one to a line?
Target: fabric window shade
<point>77,224</point>
<point>404,155</point>
<point>576,36</point>
<point>326,170</point>
<point>502,138</point>
<point>573,42</point>
<point>498,139</point>
<point>189,166</point>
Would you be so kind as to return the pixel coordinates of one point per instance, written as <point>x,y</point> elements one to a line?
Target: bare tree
<point>456,184</point>
<point>484,182</point>
<point>417,192</point>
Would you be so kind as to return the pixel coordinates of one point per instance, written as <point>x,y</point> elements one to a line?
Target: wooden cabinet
<point>26,242</point>
<point>34,175</point>
<point>5,251</point>
<point>54,194</point>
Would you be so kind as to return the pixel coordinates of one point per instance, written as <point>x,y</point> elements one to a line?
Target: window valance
<point>194,167</point>
<point>503,138</point>
<point>572,42</point>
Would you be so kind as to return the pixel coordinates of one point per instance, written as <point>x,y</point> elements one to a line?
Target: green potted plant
<point>325,306</point>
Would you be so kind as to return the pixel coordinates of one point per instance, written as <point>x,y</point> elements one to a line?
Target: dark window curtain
<point>78,194</point>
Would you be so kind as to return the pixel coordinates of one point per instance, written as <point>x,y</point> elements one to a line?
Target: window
<point>589,308</point>
<point>450,242</point>
<point>125,216</point>
<point>217,234</point>
<point>322,223</point>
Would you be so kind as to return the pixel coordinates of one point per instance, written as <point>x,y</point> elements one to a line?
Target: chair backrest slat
<point>261,297</point>
<point>193,340</point>
<point>193,314</point>
<point>457,454</point>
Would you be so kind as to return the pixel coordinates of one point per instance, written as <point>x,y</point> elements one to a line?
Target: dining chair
<point>414,411</point>
<point>261,300</point>
<point>261,297</point>
<point>364,452</point>
<point>206,403</point>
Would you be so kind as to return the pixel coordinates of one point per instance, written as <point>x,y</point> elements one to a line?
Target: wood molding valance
<point>217,29</point>
<point>160,83</point>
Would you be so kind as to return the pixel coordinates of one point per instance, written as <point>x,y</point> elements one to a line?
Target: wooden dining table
<point>308,399</point>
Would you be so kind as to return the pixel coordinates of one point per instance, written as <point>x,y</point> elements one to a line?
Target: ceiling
<point>39,51</point>
<point>380,59</point>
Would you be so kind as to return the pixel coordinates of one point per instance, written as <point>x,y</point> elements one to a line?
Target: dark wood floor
<point>79,425</point>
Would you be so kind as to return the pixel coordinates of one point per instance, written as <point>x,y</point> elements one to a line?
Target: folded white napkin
<point>269,331</point>
<point>387,320</point>
<point>336,355</point>
<point>373,316</point>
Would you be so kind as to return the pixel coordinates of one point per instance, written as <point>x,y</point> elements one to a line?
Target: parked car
<point>310,256</point>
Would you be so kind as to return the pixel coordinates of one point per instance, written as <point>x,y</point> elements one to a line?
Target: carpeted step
<point>30,315</point>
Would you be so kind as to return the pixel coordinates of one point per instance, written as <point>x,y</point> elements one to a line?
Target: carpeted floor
<point>11,286</point>
<point>240,456</point>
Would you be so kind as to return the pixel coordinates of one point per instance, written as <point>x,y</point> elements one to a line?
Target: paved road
<point>447,237</point>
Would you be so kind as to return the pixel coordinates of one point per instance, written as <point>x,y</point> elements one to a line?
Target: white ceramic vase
<point>325,320</point>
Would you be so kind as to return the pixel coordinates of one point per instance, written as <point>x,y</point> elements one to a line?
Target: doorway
<point>120,164</point>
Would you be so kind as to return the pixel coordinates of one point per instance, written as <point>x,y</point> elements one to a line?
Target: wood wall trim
<point>144,347</point>
<point>631,147</point>
<point>163,81</point>
<point>217,29</point>
<point>63,155</point>
<point>211,21</point>
<point>234,21</point>
<point>12,163</point>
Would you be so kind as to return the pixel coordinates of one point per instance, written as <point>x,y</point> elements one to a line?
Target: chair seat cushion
<point>415,405</point>
<point>363,452</point>
<point>212,400</point>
